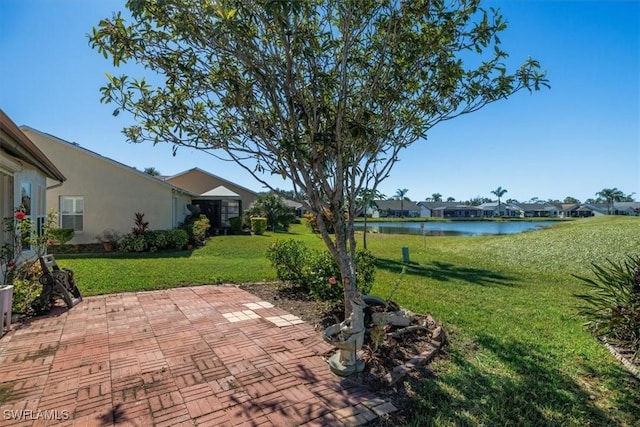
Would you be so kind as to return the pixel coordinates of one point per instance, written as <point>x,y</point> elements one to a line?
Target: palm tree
<point>451,199</point>
<point>152,171</point>
<point>400,192</point>
<point>610,195</point>
<point>437,197</point>
<point>499,192</point>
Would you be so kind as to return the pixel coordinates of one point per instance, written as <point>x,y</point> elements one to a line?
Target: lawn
<point>518,354</point>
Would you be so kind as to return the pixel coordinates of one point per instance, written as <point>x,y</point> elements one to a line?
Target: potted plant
<point>109,239</point>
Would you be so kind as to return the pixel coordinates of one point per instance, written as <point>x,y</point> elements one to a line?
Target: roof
<point>164,178</point>
<point>78,147</point>
<point>435,205</point>
<point>458,207</point>
<point>220,192</point>
<point>528,207</point>
<point>20,146</point>
<point>396,205</point>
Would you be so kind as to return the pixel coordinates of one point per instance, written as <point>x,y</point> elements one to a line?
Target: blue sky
<point>575,139</point>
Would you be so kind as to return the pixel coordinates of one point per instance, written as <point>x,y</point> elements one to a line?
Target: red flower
<point>20,215</point>
<point>51,242</point>
<point>332,280</point>
<point>11,264</point>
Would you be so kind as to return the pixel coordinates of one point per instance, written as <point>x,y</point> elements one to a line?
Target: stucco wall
<point>112,193</point>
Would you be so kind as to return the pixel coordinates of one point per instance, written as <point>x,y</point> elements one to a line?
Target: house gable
<point>101,193</point>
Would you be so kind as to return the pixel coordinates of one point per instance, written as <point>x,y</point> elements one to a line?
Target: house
<point>101,193</point>
<point>24,172</point>
<point>546,210</point>
<point>495,209</point>
<point>426,208</point>
<point>217,198</point>
<point>626,208</point>
<point>395,209</point>
<point>457,212</point>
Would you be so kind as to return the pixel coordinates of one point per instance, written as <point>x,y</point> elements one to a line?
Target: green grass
<point>518,353</point>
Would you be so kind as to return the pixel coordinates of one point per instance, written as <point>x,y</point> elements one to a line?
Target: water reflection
<point>454,228</point>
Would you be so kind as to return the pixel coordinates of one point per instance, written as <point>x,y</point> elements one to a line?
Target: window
<point>230,208</point>
<point>71,212</point>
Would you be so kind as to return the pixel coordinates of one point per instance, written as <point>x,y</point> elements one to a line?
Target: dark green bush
<point>612,305</point>
<point>236,225</point>
<point>177,238</point>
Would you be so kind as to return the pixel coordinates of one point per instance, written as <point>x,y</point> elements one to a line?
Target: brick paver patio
<point>205,355</point>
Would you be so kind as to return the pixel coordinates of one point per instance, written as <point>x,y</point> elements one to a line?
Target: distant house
<point>547,210</point>
<point>495,209</point>
<point>426,208</point>
<point>395,209</point>
<point>101,193</point>
<point>219,199</point>
<point>458,212</point>
<point>24,172</point>
<point>626,208</point>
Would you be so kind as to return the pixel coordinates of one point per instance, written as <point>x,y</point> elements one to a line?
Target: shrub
<point>133,243</point>
<point>315,271</point>
<point>26,287</point>
<point>61,235</point>
<point>236,225</point>
<point>290,259</point>
<point>177,239</point>
<point>612,305</point>
<point>258,225</point>
<point>197,226</point>
<point>156,240</point>
<point>324,277</point>
<point>140,225</point>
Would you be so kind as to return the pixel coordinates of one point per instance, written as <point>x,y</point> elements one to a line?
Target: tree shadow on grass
<point>531,391</point>
<point>444,272</point>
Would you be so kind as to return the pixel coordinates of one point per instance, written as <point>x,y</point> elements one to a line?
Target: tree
<point>367,200</point>
<point>324,93</point>
<point>451,199</point>
<point>499,192</point>
<point>571,200</point>
<point>609,196</point>
<point>437,197</point>
<point>152,171</point>
<point>400,193</point>
<point>271,206</point>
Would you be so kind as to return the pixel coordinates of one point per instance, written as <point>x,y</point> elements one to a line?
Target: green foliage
<point>364,80</point>
<point>61,235</point>
<point>236,225</point>
<point>315,271</point>
<point>177,238</point>
<point>324,279</point>
<point>289,258</point>
<point>271,206</point>
<point>258,225</point>
<point>197,226</point>
<point>612,305</point>
<point>133,243</point>
<point>26,287</point>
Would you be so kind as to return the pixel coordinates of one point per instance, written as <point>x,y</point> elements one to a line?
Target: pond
<point>454,228</point>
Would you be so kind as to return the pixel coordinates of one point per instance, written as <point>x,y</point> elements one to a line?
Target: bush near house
<point>258,225</point>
